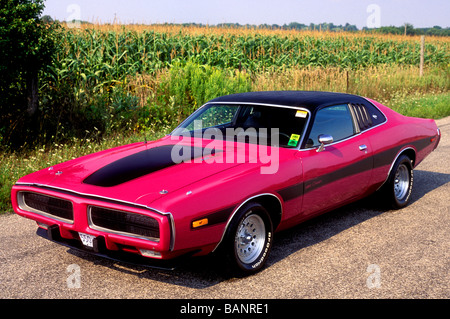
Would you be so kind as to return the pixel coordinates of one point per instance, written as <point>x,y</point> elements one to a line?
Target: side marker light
<point>200,222</point>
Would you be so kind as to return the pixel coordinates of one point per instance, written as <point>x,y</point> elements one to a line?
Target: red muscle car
<point>236,171</point>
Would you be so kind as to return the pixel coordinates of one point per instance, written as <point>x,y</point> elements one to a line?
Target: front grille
<point>124,222</point>
<point>46,205</point>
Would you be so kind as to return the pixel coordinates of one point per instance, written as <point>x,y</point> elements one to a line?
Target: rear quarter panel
<point>399,134</point>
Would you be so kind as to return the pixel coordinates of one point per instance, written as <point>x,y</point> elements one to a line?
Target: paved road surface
<point>359,251</point>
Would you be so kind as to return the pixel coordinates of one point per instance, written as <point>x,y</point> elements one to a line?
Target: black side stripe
<point>216,217</point>
<point>377,160</point>
<point>386,157</point>
<point>355,168</point>
<point>291,192</point>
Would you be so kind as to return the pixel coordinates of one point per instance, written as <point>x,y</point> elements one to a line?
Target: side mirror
<point>324,139</point>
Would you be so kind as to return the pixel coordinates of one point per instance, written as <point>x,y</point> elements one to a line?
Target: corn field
<point>110,54</point>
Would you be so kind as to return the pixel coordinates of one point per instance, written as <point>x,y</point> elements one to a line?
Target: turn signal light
<point>200,222</point>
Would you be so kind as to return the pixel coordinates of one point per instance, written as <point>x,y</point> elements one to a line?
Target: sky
<point>362,13</point>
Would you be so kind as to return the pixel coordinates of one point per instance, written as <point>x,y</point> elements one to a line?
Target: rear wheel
<point>248,240</point>
<point>399,185</point>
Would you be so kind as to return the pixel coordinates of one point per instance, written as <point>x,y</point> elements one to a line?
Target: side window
<point>375,114</point>
<point>333,120</point>
<point>367,116</point>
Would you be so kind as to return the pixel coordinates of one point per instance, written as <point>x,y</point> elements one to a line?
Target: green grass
<point>423,105</point>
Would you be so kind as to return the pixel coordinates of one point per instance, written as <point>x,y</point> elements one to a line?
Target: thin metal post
<point>422,53</point>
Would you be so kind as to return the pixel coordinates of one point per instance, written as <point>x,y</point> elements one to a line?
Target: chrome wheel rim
<point>401,182</point>
<point>250,238</point>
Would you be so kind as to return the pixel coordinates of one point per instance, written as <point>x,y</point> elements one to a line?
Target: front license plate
<point>87,240</point>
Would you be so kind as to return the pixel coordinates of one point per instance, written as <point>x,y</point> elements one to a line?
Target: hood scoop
<point>139,164</point>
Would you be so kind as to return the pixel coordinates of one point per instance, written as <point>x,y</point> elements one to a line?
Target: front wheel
<point>399,185</point>
<point>249,240</point>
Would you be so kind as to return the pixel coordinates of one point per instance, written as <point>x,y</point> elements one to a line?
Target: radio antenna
<point>145,133</point>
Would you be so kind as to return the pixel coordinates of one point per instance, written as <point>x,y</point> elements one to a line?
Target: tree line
<point>406,29</point>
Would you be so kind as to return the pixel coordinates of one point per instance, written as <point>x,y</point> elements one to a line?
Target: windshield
<point>261,124</point>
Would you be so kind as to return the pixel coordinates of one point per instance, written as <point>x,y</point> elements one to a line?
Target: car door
<point>339,172</point>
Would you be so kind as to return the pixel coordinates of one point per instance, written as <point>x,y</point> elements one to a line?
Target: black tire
<point>248,240</point>
<point>399,184</point>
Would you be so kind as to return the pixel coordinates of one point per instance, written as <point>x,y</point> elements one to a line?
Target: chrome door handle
<point>363,147</point>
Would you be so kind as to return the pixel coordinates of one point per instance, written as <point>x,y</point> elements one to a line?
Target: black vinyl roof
<point>308,99</point>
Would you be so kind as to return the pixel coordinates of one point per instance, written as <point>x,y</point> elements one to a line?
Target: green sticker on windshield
<point>293,141</point>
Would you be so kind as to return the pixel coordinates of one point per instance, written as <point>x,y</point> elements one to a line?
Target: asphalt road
<point>360,251</point>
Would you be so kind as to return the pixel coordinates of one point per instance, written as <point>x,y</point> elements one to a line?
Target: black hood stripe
<point>139,164</point>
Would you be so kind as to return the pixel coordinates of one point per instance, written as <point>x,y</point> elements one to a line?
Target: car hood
<point>139,173</point>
